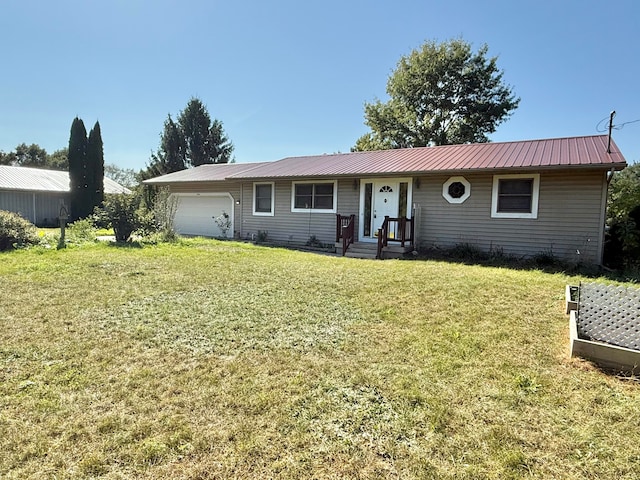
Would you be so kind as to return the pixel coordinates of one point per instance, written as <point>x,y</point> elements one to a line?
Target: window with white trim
<point>319,197</point>
<point>263,199</point>
<point>456,190</point>
<point>515,196</point>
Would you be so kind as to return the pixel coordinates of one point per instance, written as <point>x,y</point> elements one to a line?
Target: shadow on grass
<point>544,261</point>
<point>132,244</point>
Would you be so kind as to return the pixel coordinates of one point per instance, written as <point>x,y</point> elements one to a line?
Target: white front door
<point>380,197</point>
<point>385,202</point>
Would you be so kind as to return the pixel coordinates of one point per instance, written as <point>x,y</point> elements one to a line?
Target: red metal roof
<point>217,172</point>
<point>572,152</point>
<point>583,152</point>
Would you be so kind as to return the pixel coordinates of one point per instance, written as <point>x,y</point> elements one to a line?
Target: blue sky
<point>290,78</point>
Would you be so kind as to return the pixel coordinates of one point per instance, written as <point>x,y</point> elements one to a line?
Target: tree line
<point>35,156</point>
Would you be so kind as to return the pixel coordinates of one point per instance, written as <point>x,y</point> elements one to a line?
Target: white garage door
<point>195,214</point>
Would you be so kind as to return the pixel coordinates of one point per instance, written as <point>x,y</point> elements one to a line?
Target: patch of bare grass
<point>227,321</point>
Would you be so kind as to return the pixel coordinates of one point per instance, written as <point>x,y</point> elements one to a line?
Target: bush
<point>622,241</point>
<point>262,236</point>
<point>164,211</point>
<point>121,212</point>
<point>622,245</point>
<point>16,231</point>
<point>468,252</point>
<point>223,221</point>
<point>130,213</point>
<point>81,231</point>
<point>546,258</point>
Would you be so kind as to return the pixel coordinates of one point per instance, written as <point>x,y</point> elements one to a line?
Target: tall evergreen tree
<point>95,168</point>
<point>205,140</point>
<point>86,169</point>
<point>192,140</point>
<point>170,156</point>
<point>220,147</point>
<point>173,147</point>
<point>194,123</point>
<point>77,168</point>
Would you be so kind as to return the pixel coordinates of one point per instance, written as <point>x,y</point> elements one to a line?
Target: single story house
<point>521,198</point>
<point>37,194</point>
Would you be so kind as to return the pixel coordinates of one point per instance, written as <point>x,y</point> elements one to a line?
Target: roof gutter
<point>613,167</point>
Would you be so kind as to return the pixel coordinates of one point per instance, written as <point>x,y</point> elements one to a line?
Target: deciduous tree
<point>34,156</point>
<point>622,247</point>
<point>59,160</point>
<point>127,177</point>
<point>7,158</point>
<point>31,156</point>
<point>441,93</point>
<point>624,193</point>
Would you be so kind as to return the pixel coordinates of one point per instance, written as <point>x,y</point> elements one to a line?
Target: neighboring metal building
<point>38,194</point>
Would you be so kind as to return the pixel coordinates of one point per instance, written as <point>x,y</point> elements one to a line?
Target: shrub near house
<point>15,231</point>
<point>121,212</point>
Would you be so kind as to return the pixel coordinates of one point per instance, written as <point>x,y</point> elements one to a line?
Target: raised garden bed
<point>571,298</point>
<point>604,325</point>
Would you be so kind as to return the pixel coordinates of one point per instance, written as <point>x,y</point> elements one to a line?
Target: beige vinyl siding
<point>349,201</point>
<point>296,227</point>
<point>569,214</point>
<point>569,217</point>
<point>40,208</point>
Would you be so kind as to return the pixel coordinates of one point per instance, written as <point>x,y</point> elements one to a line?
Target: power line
<point>618,126</point>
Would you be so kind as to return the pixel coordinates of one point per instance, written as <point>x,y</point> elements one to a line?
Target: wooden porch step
<point>359,250</point>
<point>362,250</point>
<point>369,255</point>
<point>370,250</point>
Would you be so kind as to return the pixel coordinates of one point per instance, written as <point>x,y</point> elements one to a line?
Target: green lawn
<point>210,359</point>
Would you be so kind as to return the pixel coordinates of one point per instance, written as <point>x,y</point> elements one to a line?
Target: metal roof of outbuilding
<point>40,180</point>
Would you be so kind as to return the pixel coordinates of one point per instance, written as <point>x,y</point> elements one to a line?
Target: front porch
<point>393,239</point>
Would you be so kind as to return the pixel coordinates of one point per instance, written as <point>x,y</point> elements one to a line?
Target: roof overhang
<point>571,153</point>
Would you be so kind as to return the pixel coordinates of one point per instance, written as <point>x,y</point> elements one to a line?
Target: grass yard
<point>209,359</point>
